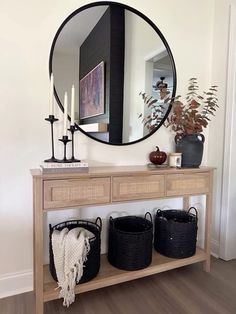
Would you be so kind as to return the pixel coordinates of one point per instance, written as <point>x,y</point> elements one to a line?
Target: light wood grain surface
<point>109,275</point>
<point>119,170</point>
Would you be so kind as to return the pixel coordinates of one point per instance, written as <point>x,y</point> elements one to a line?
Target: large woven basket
<point>130,242</point>
<point>92,265</point>
<point>176,232</point>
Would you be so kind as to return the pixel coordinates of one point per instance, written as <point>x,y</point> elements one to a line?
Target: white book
<point>64,170</point>
<point>57,165</point>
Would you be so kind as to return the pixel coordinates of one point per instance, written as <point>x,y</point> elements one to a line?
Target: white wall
<point>66,73</point>
<point>27,31</point>
<point>143,40</point>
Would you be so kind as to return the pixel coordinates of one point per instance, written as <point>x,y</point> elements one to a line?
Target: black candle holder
<point>65,140</point>
<point>51,119</point>
<point>72,130</point>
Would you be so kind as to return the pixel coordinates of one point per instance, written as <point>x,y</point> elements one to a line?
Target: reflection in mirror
<point>111,54</point>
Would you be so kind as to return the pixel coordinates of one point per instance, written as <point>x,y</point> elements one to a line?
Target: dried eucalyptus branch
<point>187,118</point>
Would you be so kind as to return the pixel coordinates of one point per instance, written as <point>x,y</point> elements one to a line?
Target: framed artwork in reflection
<point>92,93</point>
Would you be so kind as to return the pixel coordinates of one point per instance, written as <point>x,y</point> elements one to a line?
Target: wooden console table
<point>106,185</point>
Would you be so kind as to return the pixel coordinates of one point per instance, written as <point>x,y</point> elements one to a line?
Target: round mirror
<point>113,54</point>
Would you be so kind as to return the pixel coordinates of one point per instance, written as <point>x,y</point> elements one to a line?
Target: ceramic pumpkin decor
<point>157,157</point>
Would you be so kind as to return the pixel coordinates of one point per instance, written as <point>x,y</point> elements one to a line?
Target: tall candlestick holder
<point>51,119</point>
<point>72,130</point>
<point>64,140</point>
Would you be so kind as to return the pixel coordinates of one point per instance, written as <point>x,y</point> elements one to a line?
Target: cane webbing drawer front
<point>187,184</point>
<point>76,192</point>
<point>137,187</point>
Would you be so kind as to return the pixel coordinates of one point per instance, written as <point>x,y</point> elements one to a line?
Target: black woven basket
<point>92,265</point>
<point>176,233</point>
<point>130,242</point>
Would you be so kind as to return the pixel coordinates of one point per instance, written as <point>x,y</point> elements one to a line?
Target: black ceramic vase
<point>191,147</point>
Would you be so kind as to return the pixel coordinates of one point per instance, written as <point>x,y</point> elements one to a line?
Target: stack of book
<point>55,167</point>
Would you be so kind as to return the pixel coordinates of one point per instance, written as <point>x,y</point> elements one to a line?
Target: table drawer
<point>187,184</point>
<point>137,187</point>
<point>75,192</point>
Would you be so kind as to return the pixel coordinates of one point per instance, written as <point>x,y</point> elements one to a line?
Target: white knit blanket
<point>70,249</point>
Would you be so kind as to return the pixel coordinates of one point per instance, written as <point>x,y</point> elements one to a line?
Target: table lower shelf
<point>109,275</point>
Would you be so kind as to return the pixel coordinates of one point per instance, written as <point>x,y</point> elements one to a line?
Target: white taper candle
<point>65,114</point>
<point>72,122</point>
<point>51,96</point>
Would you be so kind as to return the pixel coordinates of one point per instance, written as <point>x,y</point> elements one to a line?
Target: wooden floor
<point>186,290</point>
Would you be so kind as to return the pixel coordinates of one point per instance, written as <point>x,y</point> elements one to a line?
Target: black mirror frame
<point>90,5</point>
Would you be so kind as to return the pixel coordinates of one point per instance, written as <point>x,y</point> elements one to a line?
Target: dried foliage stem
<point>188,118</point>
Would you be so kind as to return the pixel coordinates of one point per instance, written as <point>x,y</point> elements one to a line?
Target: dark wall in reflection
<point>106,43</point>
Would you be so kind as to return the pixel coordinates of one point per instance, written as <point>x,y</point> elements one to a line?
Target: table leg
<point>38,246</point>
<point>207,246</point>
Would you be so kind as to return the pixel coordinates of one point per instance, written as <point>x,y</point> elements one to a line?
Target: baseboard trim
<point>16,283</point>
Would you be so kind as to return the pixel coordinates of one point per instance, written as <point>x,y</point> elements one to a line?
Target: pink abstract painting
<point>92,93</point>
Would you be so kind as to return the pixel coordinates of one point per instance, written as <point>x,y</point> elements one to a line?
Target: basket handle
<point>159,212</point>
<point>111,220</point>
<point>150,216</point>
<point>196,213</point>
<point>98,222</point>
